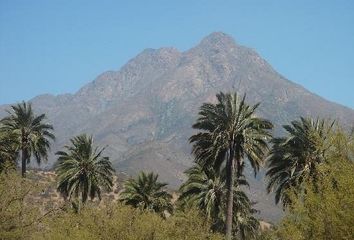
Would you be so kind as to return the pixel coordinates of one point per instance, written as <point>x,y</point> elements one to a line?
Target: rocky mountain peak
<point>218,41</point>
<point>161,55</point>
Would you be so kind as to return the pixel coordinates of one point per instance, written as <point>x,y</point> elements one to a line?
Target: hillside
<point>145,110</point>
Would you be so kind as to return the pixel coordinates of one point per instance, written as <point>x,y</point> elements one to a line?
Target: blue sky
<point>58,46</point>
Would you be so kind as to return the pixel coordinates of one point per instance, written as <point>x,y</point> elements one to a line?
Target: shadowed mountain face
<point>144,111</point>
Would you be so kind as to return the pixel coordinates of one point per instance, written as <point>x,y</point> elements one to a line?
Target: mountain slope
<point>144,111</point>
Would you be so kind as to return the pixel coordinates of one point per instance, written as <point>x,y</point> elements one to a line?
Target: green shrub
<point>20,212</point>
<point>117,221</point>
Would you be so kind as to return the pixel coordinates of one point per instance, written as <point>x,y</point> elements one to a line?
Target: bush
<point>21,214</point>
<point>117,221</point>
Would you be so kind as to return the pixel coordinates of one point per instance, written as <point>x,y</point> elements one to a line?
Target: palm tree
<point>32,134</point>
<point>205,189</point>
<point>296,157</point>
<point>82,170</point>
<point>247,226</point>
<point>230,132</point>
<point>145,192</point>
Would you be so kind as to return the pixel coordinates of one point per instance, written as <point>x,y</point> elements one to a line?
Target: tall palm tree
<point>205,189</point>
<point>145,192</point>
<point>82,170</point>
<point>295,157</point>
<point>230,132</point>
<point>32,134</point>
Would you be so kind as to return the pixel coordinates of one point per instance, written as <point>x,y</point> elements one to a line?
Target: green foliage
<point>82,171</point>
<point>295,158</point>
<point>205,190</point>
<point>116,221</point>
<point>23,216</point>
<point>8,152</point>
<point>228,126</point>
<point>189,225</point>
<point>325,210</point>
<point>324,215</point>
<point>246,225</point>
<point>145,192</point>
<point>265,235</point>
<point>29,133</point>
<point>20,214</point>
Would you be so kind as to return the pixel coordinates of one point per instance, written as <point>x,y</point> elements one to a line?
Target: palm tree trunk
<point>24,161</point>
<point>230,165</point>
<point>23,152</point>
<point>238,163</point>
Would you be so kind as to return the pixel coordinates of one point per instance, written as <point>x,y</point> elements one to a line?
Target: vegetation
<point>205,190</point>
<point>324,210</point>
<point>8,153</point>
<point>145,192</point>
<point>230,132</point>
<point>24,216</point>
<point>295,158</point>
<point>20,214</point>
<point>117,221</point>
<point>31,135</point>
<point>310,169</point>
<point>82,170</point>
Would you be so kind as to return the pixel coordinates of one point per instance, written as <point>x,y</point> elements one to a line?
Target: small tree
<point>82,170</point>
<point>145,192</point>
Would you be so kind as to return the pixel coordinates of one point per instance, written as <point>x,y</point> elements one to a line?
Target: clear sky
<point>56,46</point>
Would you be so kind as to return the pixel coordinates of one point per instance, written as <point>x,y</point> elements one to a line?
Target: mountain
<point>144,111</point>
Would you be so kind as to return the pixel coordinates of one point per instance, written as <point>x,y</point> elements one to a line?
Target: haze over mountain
<point>144,111</point>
